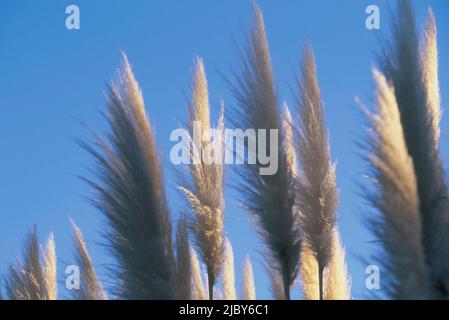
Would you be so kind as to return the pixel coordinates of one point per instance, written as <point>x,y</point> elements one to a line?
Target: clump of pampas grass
<point>412,69</point>
<point>34,278</point>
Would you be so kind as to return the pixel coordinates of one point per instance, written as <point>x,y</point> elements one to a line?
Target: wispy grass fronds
<point>131,194</point>
<point>228,276</point>
<point>269,198</point>
<point>205,192</point>
<point>429,60</point>
<point>90,286</point>
<point>337,282</point>
<point>399,226</point>
<point>25,280</point>
<point>50,270</point>
<point>413,74</point>
<point>249,288</point>
<point>183,262</point>
<point>199,291</point>
<point>289,146</point>
<point>317,190</point>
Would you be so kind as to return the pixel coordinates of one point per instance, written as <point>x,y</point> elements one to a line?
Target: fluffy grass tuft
<point>90,286</point>
<point>204,189</point>
<point>270,199</point>
<point>131,194</point>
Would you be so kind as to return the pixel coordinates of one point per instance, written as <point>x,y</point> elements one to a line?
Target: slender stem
<point>286,289</point>
<point>320,280</point>
<point>210,282</point>
<point>287,292</point>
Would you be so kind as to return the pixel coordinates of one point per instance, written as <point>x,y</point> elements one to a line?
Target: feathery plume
<point>26,281</point>
<point>183,263</point>
<point>399,225</point>
<point>309,274</point>
<point>198,290</point>
<point>249,289</point>
<point>131,194</point>
<point>49,269</point>
<point>337,283</point>
<point>228,277</point>
<point>415,80</point>
<point>287,127</point>
<point>204,193</point>
<point>90,285</point>
<point>269,198</point>
<point>429,61</point>
<point>317,191</point>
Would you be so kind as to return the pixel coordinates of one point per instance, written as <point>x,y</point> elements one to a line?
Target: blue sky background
<point>50,77</point>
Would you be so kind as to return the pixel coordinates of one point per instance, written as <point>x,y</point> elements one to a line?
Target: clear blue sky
<point>49,77</point>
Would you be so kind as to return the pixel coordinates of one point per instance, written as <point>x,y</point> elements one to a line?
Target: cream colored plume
<point>49,269</point>
<point>412,69</point>
<point>228,276</point>
<point>317,190</point>
<point>429,56</point>
<point>269,198</point>
<point>400,226</point>
<point>198,289</point>
<point>249,288</point>
<point>309,274</point>
<point>337,284</point>
<point>90,286</point>
<point>287,127</point>
<point>204,189</point>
